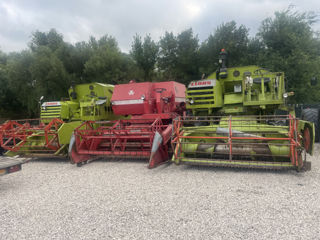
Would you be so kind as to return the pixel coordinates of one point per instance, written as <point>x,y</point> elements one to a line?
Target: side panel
<point>66,130</point>
<point>132,98</point>
<point>147,98</point>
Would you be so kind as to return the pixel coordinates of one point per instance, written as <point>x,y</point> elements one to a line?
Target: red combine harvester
<point>146,135</point>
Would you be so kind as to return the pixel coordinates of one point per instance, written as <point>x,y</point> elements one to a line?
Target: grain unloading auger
<point>52,132</point>
<point>146,135</point>
<point>238,118</point>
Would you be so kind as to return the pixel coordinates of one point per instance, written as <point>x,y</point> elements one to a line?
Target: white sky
<point>77,20</point>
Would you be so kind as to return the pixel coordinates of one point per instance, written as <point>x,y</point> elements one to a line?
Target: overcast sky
<point>77,20</point>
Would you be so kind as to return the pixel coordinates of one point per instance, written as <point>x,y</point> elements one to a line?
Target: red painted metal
<point>14,135</point>
<point>146,135</point>
<point>139,99</point>
<point>126,138</point>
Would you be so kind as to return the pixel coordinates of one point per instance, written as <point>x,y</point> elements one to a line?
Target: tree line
<point>285,42</point>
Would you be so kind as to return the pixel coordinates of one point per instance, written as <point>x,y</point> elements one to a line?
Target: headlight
<point>191,101</point>
<point>285,95</point>
<point>143,97</point>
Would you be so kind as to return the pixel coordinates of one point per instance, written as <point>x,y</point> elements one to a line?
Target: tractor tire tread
<point>312,115</point>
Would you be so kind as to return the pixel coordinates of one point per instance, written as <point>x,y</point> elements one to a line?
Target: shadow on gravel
<point>125,160</point>
<point>57,159</point>
<point>114,160</point>
<point>243,170</point>
<point>140,162</point>
<point>168,165</point>
<point>10,182</point>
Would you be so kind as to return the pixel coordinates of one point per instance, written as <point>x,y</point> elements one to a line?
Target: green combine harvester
<point>237,117</point>
<point>52,132</point>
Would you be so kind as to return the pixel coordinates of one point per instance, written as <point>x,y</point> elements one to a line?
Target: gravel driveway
<point>125,200</point>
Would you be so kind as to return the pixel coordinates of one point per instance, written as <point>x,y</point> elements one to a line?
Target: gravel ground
<point>125,200</point>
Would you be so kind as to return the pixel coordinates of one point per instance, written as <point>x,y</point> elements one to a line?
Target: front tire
<point>312,115</point>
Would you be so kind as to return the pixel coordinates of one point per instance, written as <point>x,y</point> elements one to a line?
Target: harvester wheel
<point>304,165</point>
<point>79,164</point>
<point>312,115</point>
<point>306,139</point>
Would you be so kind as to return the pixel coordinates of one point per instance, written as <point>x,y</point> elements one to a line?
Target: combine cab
<point>52,132</point>
<point>146,135</point>
<point>238,118</point>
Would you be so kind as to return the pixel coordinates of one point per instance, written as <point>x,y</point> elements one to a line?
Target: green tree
<point>107,63</point>
<point>8,103</point>
<point>168,55</point>
<point>80,53</point>
<point>49,77</point>
<point>51,39</point>
<point>233,39</point>
<point>290,45</point>
<point>53,67</point>
<point>187,56</point>
<point>145,55</point>
<point>255,47</point>
<point>21,83</point>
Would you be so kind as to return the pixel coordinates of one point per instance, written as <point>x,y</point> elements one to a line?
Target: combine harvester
<point>146,135</point>
<point>52,132</point>
<point>238,118</point>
